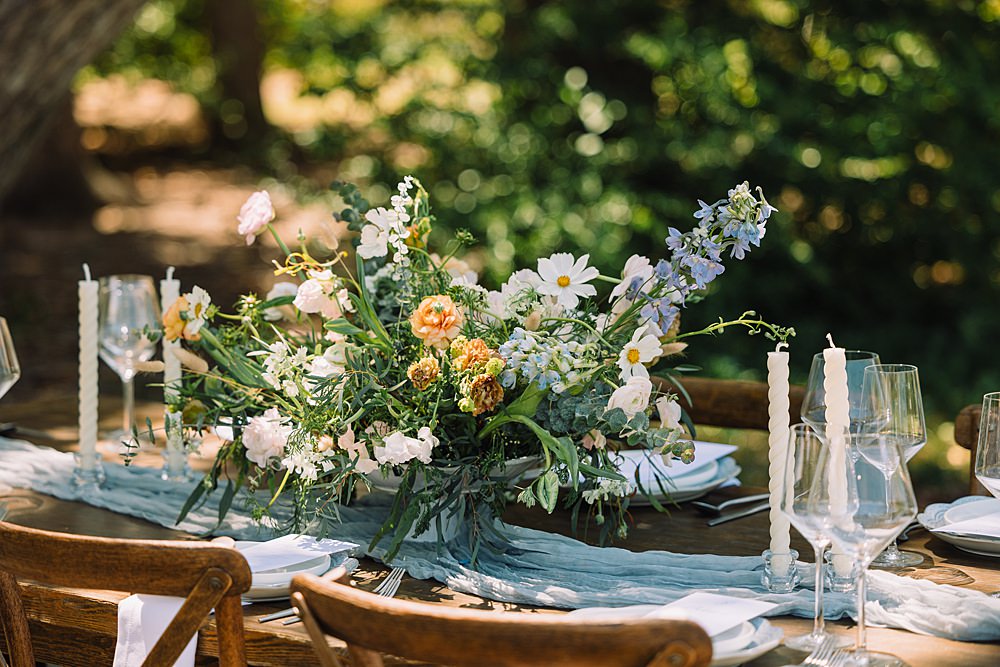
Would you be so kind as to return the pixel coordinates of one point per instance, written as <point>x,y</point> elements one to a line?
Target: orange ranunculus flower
<point>436,321</point>
<point>173,323</point>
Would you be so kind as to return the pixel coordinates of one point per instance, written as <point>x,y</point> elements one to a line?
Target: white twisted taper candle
<point>169,292</point>
<point>777,449</point>
<point>88,388</point>
<point>838,423</point>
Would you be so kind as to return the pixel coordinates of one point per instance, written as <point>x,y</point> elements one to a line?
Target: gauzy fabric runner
<point>537,568</point>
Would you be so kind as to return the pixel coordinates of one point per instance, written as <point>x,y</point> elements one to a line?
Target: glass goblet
<point>988,449</point>
<point>898,414</point>
<point>10,369</point>
<point>128,330</point>
<point>10,372</point>
<point>814,401</point>
<point>805,447</point>
<point>864,509</point>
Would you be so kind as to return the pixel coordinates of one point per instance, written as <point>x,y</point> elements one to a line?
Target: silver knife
<point>739,515</point>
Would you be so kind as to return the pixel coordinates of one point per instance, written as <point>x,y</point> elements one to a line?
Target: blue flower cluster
<point>548,363</point>
<point>735,223</point>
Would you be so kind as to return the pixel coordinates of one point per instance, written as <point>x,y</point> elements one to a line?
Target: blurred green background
<point>873,126</point>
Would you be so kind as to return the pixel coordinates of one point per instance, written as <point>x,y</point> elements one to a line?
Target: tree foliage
<point>591,127</point>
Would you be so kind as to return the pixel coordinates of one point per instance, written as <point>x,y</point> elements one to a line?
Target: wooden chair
<point>967,435</point>
<point>731,403</point>
<point>436,634</point>
<point>206,575</point>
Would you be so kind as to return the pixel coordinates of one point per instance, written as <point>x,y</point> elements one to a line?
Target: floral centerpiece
<point>399,365</point>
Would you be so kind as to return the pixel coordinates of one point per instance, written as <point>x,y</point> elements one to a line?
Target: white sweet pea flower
<point>265,437</point>
<point>395,449</point>
<point>385,228</point>
<point>632,397</point>
<point>426,443</point>
<point>279,290</point>
<point>363,463</point>
<point>669,411</point>
<point>566,278</point>
<point>641,350</point>
<point>638,268</point>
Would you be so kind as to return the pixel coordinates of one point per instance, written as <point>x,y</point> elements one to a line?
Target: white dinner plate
<point>743,643</point>
<point>970,507</point>
<point>274,584</point>
<point>680,490</point>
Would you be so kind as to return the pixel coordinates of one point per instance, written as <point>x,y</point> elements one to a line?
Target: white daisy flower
<point>641,350</point>
<point>566,278</point>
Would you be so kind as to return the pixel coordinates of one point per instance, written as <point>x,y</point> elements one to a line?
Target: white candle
<point>170,289</point>
<point>777,450</point>
<point>88,323</point>
<point>838,422</point>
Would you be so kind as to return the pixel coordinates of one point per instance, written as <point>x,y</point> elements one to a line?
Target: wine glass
<point>988,448</point>
<point>10,370</point>
<point>814,401</point>
<point>801,465</point>
<point>863,509</point>
<point>129,322</point>
<point>892,394</point>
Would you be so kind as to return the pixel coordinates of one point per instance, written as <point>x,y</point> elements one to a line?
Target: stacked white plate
<point>679,482</point>
<point>283,559</point>
<point>742,643</point>
<point>971,524</point>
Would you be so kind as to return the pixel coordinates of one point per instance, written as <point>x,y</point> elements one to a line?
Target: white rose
<point>670,413</point>
<point>265,437</point>
<point>632,397</point>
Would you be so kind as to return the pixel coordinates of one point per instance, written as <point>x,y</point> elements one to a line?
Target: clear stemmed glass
<point>863,509</point>
<point>804,449</point>
<point>129,322</point>
<point>814,401</point>
<point>10,370</point>
<point>893,391</point>
<point>988,448</point>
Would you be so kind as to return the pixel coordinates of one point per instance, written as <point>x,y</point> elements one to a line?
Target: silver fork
<point>390,584</point>
<point>841,658</point>
<point>821,655</point>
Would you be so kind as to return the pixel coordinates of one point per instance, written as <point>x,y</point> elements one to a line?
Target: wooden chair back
<point>206,575</point>
<point>731,403</point>
<point>967,435</point>
<point>436,634</point>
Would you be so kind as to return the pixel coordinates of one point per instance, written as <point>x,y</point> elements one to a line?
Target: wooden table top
<point>77,627</point>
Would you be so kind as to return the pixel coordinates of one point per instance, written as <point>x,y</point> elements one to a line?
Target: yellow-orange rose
<point>436,321</point>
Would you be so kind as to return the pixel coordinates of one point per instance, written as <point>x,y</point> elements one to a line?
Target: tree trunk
<point>239,54</point>
<point>43,43</point>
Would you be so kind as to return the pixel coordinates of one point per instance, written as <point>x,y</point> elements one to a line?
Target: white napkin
<point>987,526</point>
<point>289,550</point>
<point>141,621</point>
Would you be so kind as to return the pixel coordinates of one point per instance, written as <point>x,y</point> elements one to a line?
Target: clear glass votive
<point>781,574</point>
<point>175,453</point>
<point>842,582</point>
<point>88,474</point>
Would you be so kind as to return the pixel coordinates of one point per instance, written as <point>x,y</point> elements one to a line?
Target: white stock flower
<point>669,411</point>
<point>265,437</point>
<point>303,464</point>
<point>279,290</point>
<point>641,350</point>
<point>566,278</point>
<point>632,397</point>
<point>384,229</point>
